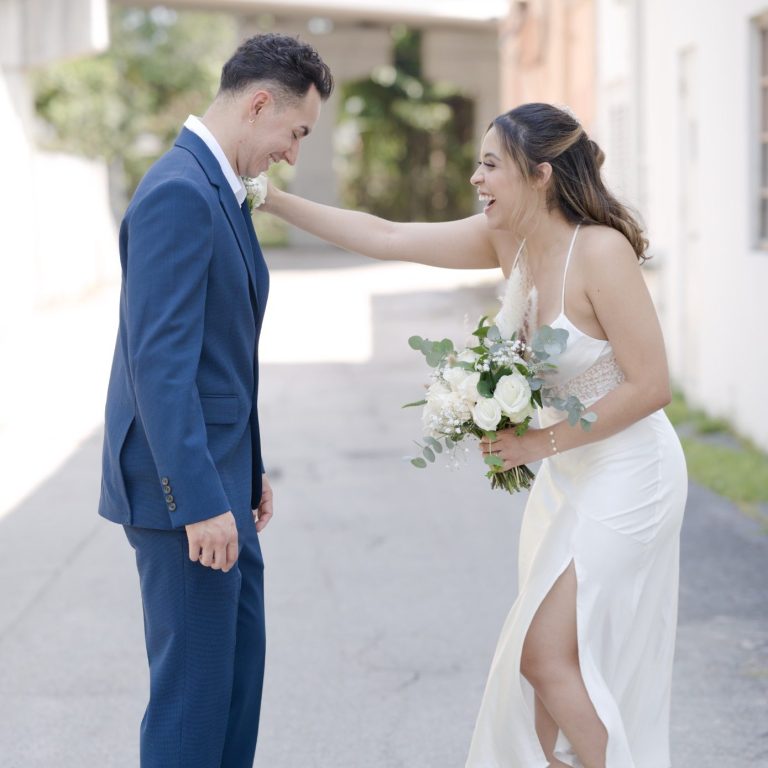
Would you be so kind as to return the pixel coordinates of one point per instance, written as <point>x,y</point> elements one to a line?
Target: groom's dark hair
<point>285,61</point>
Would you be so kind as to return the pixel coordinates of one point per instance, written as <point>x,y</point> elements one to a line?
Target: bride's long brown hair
<point>541,133</point>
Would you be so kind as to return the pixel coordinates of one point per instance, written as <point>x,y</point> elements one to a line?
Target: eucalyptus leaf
<point>485,384</point>
<point>418,462</point>
<point>434,357</point>
<point>412,405</point>
<point>493,461</point>
<point>548,341</point>
<point>449,444</point>
<point>435,444</point>
<point>416,342</point>
<point>428,454</point>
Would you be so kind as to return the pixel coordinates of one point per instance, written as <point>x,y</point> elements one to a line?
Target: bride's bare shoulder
<point>605,248</point>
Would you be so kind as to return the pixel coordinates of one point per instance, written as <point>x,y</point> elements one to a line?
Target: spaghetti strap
<point>565,271</point>
<point>517,255</point>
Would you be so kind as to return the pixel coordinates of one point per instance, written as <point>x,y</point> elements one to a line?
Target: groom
<point>182,468</point>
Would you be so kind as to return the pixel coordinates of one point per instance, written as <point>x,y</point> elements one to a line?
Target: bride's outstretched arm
<point>462,244</point>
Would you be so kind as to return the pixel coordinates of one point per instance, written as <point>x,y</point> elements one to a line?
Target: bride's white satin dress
<point>614,508</point>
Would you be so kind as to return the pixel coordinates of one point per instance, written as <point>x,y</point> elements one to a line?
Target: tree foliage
<point>406,144</point>
<point>127,105</point>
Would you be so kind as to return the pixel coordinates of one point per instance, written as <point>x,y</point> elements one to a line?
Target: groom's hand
<point>263,514</point>
<point>213,542</point>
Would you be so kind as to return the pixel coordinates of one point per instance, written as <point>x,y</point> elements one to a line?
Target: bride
<point>582,671</point>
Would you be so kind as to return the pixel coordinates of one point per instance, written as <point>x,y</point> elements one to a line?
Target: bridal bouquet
<point>495,382</point>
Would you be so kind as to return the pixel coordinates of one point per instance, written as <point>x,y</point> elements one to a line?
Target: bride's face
<point>501,187</point>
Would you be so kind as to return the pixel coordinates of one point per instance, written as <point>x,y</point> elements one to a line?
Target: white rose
<point>487,413</point>
<point>437,388</point>
<point>430,417</point>
<point>455,376</point>
<point>513,394</point>
<point>468,388</point>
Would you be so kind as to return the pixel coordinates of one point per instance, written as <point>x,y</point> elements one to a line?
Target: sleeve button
<point>172,506</point>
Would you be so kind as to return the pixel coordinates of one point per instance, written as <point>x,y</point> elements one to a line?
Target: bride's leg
<point>546,730</point>
<point>550,663</point>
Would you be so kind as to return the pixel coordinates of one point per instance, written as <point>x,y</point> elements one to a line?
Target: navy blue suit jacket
<point>181,439</point>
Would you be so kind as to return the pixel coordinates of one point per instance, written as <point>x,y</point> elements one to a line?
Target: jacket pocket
<point>219,409</point>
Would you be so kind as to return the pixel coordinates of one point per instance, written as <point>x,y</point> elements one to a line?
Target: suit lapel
<point>238,223</point>
<point>194,144</point>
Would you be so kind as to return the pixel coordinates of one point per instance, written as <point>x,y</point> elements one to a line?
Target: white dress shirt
<point>196,125</point>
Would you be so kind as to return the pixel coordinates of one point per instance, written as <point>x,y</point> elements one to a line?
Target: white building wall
<point>57,239</point>
<point>685,73</point>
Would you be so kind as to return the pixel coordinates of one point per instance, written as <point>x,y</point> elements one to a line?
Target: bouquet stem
<point>512,480</point>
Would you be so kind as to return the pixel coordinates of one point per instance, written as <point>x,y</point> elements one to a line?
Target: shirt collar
<point>196,125</point>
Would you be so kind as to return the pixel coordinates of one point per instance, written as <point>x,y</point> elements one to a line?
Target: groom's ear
<point>258,99</point>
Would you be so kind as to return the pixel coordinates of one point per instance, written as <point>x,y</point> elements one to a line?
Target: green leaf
<point>449,443</point>
<point>429,454</point>
<point>485,384</point>
<point>418,462</point>
<point>489,434</point>
<point>411,405</point>
<point>416,342</point>
<point>549,341</point>
<point>434,443</point>
<point>493,461</point>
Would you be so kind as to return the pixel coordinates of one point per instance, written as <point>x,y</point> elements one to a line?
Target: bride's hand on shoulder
<point>516,450</point>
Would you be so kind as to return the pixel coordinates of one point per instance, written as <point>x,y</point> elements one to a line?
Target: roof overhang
<point>454,13</point>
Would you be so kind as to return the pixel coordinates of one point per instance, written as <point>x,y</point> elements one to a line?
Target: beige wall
<point>547,51</point>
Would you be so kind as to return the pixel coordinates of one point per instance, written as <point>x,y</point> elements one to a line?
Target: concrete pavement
<point>387,586</point>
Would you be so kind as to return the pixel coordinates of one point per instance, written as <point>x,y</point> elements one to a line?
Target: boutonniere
<point>255,190</point>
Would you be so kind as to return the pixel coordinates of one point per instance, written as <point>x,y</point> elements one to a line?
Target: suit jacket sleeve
<point>170,246</point>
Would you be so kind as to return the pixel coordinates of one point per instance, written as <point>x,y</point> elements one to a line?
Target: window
<point>762,132</point>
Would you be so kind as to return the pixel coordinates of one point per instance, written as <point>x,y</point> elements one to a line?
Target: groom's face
<point>277,129</point>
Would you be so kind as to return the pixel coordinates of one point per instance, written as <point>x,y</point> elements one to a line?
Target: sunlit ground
<point>56,363</point>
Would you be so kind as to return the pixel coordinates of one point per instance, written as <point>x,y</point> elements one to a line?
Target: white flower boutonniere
<point>255,190</point>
